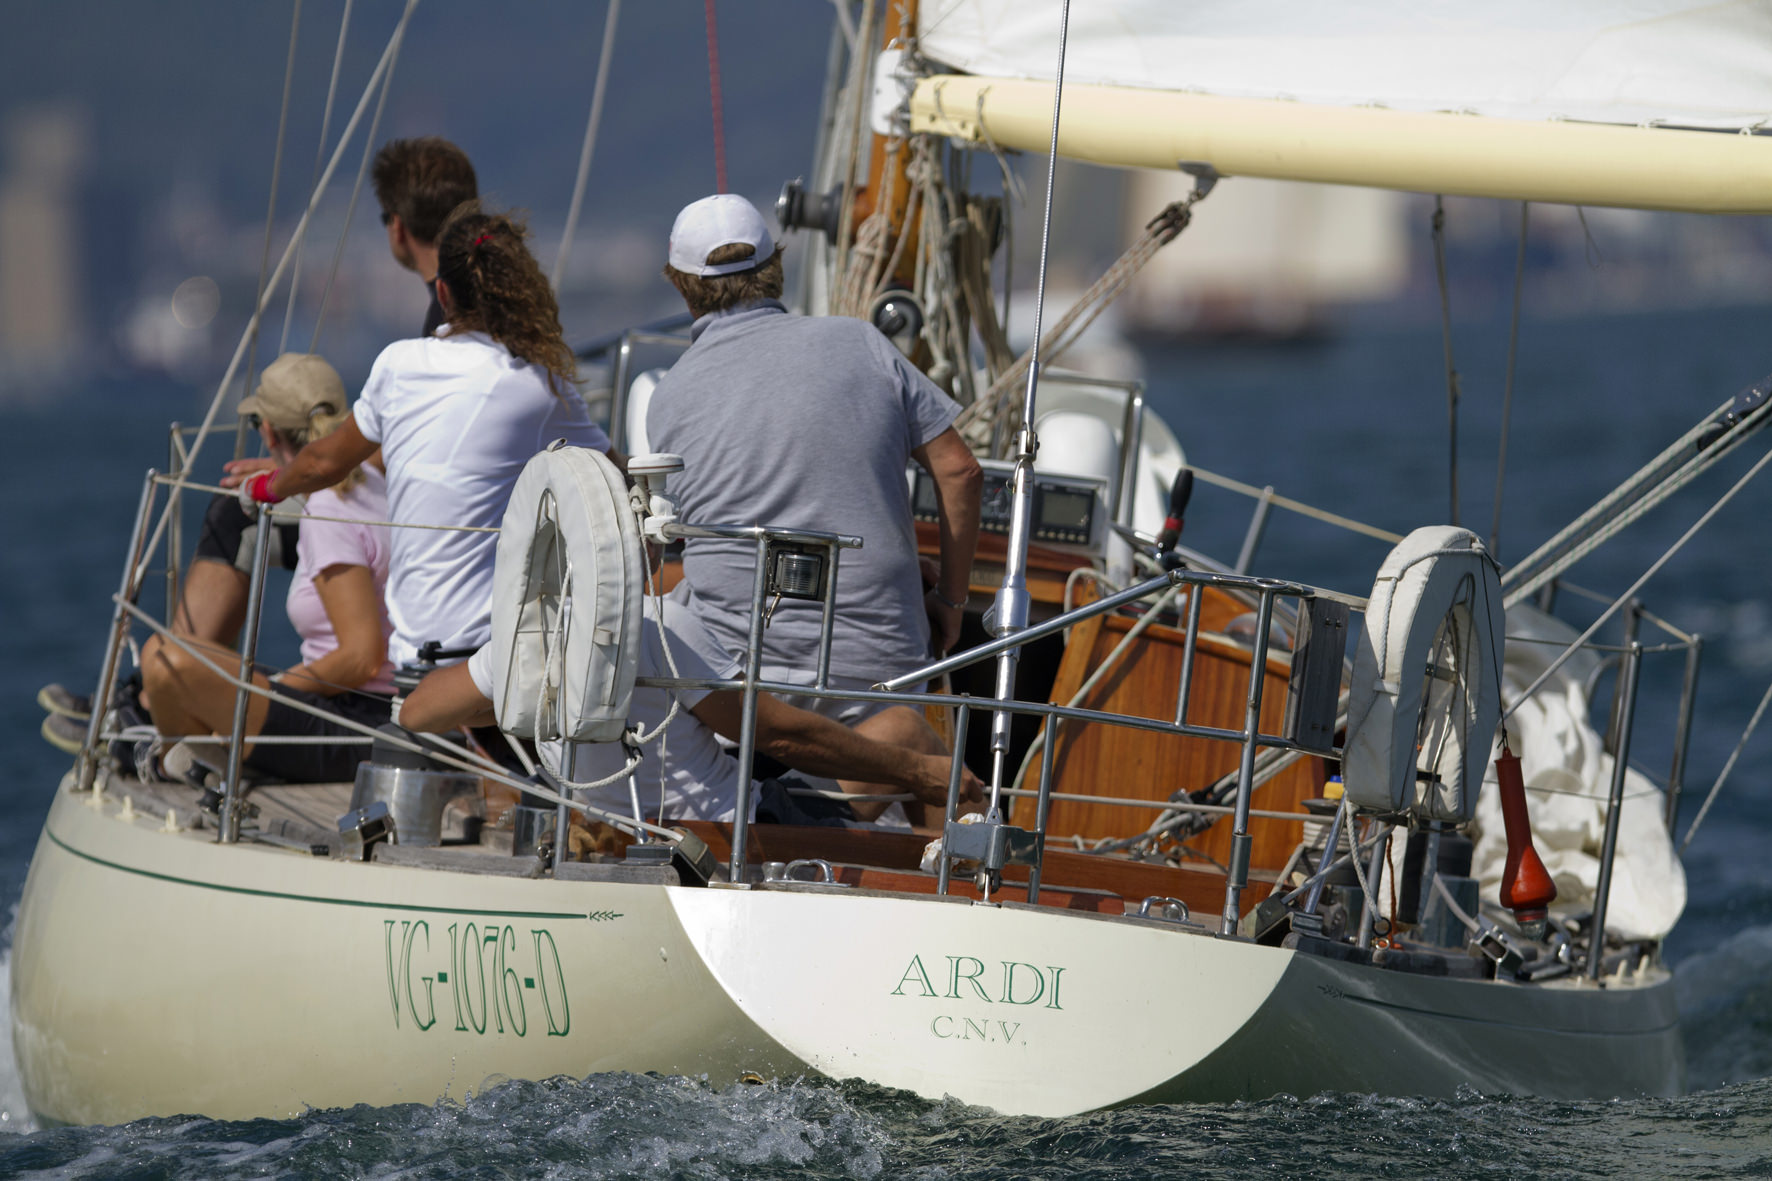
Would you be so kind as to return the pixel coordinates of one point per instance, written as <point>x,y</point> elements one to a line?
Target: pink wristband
<point>258,487</point>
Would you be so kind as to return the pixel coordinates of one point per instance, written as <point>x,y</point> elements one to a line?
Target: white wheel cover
<point>1436,601</point>
<point>565,667</point>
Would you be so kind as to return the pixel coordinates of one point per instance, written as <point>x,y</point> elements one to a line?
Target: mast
<point>1011,608</point>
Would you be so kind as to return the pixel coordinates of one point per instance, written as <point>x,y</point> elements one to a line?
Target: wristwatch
<point>947,602</point>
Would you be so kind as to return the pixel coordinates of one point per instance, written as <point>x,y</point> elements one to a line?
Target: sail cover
<point>1657,62</point>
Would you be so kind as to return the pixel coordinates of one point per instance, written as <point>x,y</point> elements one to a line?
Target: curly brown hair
<point>420,181</point>
<point>497,287</point>
<point>716,293</point>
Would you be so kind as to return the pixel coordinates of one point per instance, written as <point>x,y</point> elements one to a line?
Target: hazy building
<point>41,320</point>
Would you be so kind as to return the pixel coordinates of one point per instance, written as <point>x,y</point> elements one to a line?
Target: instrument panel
<point>1068,511</point>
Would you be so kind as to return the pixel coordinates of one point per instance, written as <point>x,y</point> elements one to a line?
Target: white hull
<point>1049,1013</point>
<point>158,973</point>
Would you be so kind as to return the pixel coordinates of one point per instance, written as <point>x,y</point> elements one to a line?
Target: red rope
<point>714,94</point>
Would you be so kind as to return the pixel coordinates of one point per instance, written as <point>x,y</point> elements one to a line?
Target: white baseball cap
<point>724,219</point>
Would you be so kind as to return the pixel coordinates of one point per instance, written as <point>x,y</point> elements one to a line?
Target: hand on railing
<point>237,471</point>
<point>931,786</point>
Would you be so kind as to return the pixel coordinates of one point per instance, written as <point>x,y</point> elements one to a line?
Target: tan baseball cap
<point>294,388</point>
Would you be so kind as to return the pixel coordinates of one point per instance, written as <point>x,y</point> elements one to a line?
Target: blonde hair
<point>322,421</point>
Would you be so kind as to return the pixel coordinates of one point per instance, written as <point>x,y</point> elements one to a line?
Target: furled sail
<point>1636,104</point>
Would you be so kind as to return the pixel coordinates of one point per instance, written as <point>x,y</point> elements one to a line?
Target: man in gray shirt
<point>807,422</point>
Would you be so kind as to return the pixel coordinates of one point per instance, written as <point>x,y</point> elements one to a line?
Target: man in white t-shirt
<point>685,775</point>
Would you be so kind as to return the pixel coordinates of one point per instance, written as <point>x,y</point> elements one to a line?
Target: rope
<point>1507,395</point>
<point>338,61</point>
<point>1297,506</point>
<point>271,210</point>
<point>1002,412</point>
<point>338,251</point>
<point>1446,338</point>
<point>590,144</point>
<point>1470,923</point>
<point>1723,777</point>
<point>1609,612</point>
<point>714,97</point>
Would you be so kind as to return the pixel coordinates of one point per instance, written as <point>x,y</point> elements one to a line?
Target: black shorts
<point>317,762</point>
<point>229,535</point>
<point>775,805</point>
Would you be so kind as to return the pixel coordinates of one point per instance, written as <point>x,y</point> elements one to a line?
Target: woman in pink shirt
<point>336,603</point>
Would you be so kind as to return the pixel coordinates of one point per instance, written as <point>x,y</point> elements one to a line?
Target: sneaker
<point>58,699</point>
<point>64,733</point>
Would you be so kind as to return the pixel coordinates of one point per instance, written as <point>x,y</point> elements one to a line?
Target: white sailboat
<point>233,956</point>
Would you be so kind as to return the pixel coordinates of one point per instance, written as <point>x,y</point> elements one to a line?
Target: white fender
<point>1439,588</point>
<point>568,511</point>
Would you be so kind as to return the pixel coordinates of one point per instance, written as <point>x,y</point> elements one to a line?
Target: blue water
<point>1356,425</point>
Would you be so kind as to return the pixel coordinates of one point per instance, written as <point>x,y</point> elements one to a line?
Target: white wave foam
<point>14,1115</point>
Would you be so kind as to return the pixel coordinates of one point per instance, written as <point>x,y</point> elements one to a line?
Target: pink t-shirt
<point>355,542</point>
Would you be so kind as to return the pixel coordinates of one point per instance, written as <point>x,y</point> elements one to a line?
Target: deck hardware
<point>688,855</point>
<point>361,830</point>
<point>1314,684</point>
<point>794,871</point>
<point>1498,946</point>
<point>993,844</point>
<point>1158,906</point>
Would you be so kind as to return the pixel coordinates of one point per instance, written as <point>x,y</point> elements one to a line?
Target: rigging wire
<point>344,234</point>
<point>1723,776</point>
<point>270,216</point>
<point>714,98</point>
<point>1446,338</point>
<point>276,275</point>
<point>1576,645</point>
<point>338,61</point>
<point>1507,395</point>
<point>590,142</point>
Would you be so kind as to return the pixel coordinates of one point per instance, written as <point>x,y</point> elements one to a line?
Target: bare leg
<point>897,726</point>
<point>186,698</point>
<point>212,605</point>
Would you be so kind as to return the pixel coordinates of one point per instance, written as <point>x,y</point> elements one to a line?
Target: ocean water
<point>1356,424</point>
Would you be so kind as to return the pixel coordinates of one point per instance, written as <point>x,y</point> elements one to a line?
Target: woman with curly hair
<point>456,416</point>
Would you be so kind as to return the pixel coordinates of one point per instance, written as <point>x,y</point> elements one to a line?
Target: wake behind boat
<point>1264,836</point>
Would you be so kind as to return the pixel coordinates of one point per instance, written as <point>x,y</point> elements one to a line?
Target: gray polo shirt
<point>804,422</point>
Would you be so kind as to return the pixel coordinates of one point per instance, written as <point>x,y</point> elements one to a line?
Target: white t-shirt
<point>457,417</point>
<point>683,775</point>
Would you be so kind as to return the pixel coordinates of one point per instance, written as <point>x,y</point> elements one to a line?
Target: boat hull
<point>158,973</point>
<point>1049,1013</point>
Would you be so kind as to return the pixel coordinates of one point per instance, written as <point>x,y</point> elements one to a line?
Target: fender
<point>1436,602</point>
<point>564,667</point>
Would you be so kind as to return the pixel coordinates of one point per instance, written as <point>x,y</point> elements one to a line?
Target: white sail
<point>1682,63</point>
<point>1633,105</point>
